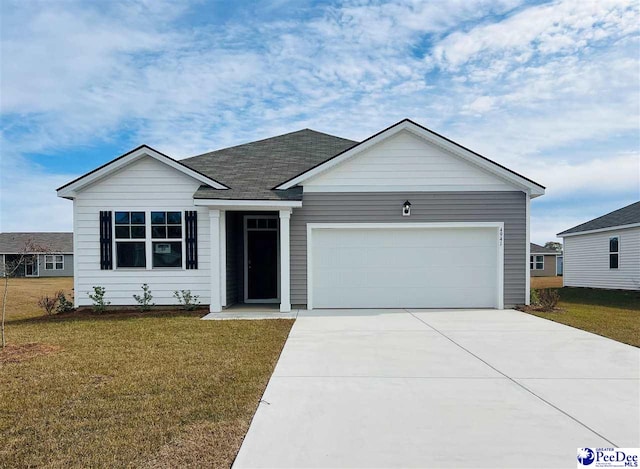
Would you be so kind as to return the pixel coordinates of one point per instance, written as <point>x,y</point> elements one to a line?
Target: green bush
<point>144,300</point>
<point>534,297</point>
<point>99,303</point>
<point>64,305</point>
<point>187,299</point>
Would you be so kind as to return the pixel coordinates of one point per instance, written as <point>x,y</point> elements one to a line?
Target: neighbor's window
<point>536,262</point>
<point>166,232</point>
<point>614,252</point>
<point>129,228</point>
<point>53,262</point>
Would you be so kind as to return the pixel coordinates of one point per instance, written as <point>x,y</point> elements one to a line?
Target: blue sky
<point>549,89</point>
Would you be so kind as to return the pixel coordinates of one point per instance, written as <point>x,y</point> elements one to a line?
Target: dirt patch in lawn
<point>24,352</point>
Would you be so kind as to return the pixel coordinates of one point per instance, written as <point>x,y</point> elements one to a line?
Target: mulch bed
<point>23,352</point>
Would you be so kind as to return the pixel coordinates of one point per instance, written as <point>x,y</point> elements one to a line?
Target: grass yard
<point>129,390</point>
<point>546,282</point>
<point>610,313</point>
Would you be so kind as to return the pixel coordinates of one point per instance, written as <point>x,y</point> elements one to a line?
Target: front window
<point>54,262</point>
<point>129,228</point>
<point>166,232</point>
<point>536,262</point>
<point>614,252</point>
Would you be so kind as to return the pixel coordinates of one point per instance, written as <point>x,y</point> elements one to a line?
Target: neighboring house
<point>543,262</point>
<point>604,252</point>
<point>52,257</point>
<point>405,218</point>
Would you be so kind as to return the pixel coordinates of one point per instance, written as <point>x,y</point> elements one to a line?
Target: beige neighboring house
<point>55,258</point>
<point>543,262</point>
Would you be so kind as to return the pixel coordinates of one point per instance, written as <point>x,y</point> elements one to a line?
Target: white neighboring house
<point>604,252</point>
<point>405,218</point>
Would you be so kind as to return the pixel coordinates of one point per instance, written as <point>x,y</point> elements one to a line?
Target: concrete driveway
<point>410,388</point>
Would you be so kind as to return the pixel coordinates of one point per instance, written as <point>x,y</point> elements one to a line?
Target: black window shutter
<point>191,220</point>
<point>106,257</point>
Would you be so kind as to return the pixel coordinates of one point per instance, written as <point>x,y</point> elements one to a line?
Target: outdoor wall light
<point>406,209</point>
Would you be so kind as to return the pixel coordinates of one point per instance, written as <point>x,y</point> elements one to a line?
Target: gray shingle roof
<point>252,170</point>
<point>537,249</point>
<point>14,243</point>
<point>624,216</point>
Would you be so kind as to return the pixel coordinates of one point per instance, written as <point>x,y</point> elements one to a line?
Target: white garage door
<point>397,267</point>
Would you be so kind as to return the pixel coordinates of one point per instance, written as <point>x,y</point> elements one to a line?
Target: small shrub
<point>64,305</point>
<point>144,300</point>
<point>188,300</point>
<point>48,303</point>
<point>534,297</point>
<point>99,303</point>
<point>549,298</point>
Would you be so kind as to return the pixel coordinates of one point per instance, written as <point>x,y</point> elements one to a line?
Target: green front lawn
<point>611,313</point>
<point>155,390</point>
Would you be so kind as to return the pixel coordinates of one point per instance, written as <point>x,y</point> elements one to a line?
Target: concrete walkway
<point>409,388</point>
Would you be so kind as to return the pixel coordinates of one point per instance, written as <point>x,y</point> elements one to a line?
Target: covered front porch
<point>250,244</point>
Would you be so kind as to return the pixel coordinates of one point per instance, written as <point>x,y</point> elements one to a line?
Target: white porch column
<point>215,306</point>
<point>223,258</point>
<point>285,278</point>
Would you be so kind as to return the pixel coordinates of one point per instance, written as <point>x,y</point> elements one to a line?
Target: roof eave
<point>565,234</point>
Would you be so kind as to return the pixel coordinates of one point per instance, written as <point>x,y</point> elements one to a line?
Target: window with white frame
<point>53,262</point>
<point>614,252</point>
<point>166,235</point>
<point>536,262</point>
<point>130,234</point>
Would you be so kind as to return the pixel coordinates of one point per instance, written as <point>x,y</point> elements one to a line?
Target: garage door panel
<point>433,297</point>
<point>422,267</point>
<point>405,278</point>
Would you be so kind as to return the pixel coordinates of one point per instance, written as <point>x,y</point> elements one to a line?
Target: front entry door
<point>31,267</point>
<point>261,258</point>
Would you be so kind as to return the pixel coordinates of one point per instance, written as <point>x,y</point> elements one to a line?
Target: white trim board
<point>69,190</point>
<point>518,181</point>
<point>499,227</point>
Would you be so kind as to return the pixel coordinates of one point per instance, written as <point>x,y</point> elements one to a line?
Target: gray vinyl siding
<point>549,267</point>
<point>66,272</point>
<point>385,207</point>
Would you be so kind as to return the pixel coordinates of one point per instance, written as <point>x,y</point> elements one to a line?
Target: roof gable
<point>628,216</point>
<point>404,161</point>
<point>456,150</point>
<point>69,189</point>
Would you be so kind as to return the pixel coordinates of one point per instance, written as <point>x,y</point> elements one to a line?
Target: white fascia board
<point>69,191</point>
<point>248,204</point>
<point>600,230</point>
<point>520,182</point>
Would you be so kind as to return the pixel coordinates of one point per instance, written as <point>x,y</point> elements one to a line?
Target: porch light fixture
<point>406,209</point>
